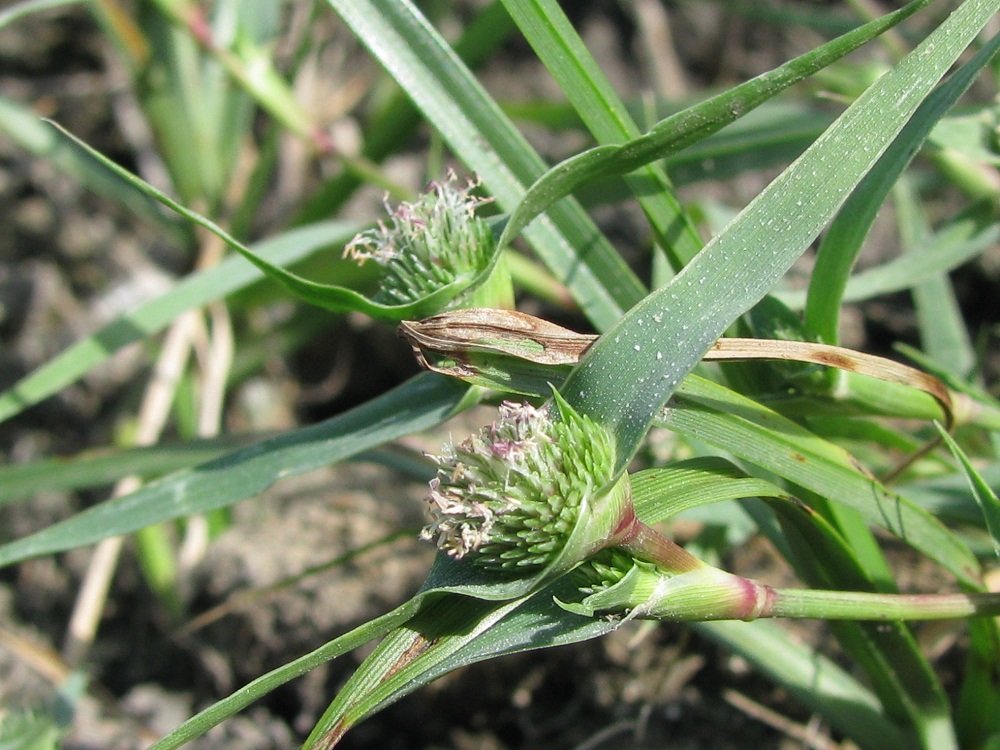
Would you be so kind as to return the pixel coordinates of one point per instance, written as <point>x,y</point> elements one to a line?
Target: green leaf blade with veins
<point>673,134</point>
<point>420,299</point>
<point>629,373</point>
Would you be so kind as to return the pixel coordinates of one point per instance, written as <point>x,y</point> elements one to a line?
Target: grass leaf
<point>421,402</point>
<point>476,129</point>
<point>630,372</point>
<point>568,61</point>
<point>842,242</point>
<point>231,275</point>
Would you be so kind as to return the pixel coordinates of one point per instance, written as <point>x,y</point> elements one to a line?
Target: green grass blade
<point>421,402</point>
<point>231,275</point>
<point>944,335</point>
<point>661,493</point>
<point>900,675</point>
<point>842,243</point>
<point>977,715</point>
<point>760,436</point>
<point>198,116</point>
<point>476,129</point>
<point>986,498</point>
<point>959,240</point>
<point>811,678</point>
<point>569,62</point>
<point>629,373</point>
<point>199,724</point>
<point>28,7</point>
<point>25,128</point>
<point>104,468</point>
<point>563,53</point>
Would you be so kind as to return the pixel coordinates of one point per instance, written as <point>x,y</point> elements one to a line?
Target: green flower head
<point>518,493</point>
<point>427,244</point>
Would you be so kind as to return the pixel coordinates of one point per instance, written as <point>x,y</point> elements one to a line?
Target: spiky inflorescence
<point>513,493</point>
<point>427,244</point>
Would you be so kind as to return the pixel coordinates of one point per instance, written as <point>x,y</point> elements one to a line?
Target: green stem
<point>854,605</point>
<point>639,540</point>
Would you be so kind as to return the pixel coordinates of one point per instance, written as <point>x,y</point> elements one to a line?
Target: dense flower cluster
<point>427,244</point>
<point>513,493</point>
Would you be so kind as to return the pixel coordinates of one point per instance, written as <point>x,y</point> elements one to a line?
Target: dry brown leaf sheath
<point>458,333</point>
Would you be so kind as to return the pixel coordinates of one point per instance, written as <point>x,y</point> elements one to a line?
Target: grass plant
<point>553,522</point>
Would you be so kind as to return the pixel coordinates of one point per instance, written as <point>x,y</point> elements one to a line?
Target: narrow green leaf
<point>421,402</point>
<point>756,434</point>
<point>670,135</point>
<point>476,129</point>
<point>944,335</point>
<point>199,724</point>
<point>231,275</point>
<point>30,132</point>
<point>977,714</point>
<point>843,241</point>
<point>986,498</point>
<point>813,679</point>
<point>661,493</point>
<point>28,7</point>
<point>563,53</point>
<point>630,372</point>
<point>198,116</point>
<point>900,675</point>
<point>104,468</point>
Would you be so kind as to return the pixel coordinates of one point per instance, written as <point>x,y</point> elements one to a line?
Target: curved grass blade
<point>944,335</point>
<point>327,296</point>
<point>25,128</point>
<point>670,135</point>
<point>104,468</point>
<point>659,494</point>
<point>842,243</point>
<point>629,373</point>
<point>813,679</point>
<point>976,714</point>
<point>563,53</point>
<point>476,129</point>
<point>199,724</point>
<point>762,437</point>
<point>231,275</point>
<point>986,498</point>
<point>421,402</point>
<point>900,675</point>
<point>27,7</point>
